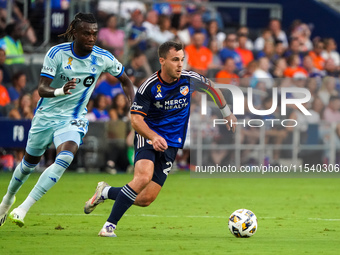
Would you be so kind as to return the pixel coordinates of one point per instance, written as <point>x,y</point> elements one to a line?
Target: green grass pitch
<point>295,216</point>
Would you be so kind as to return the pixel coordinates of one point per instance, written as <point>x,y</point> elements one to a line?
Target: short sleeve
<point>50,65</point>
<point>114,67</point>
<point>141,103</point>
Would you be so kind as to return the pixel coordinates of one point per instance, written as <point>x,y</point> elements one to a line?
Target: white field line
<point>179,216</point>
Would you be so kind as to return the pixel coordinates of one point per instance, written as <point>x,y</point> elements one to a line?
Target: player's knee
<point>146,201</point>
<point>64,159</point>
<point>143,180</point>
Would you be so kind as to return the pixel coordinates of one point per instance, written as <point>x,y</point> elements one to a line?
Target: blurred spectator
<point>330,51</point>
<point>4,68</point>
<point>294,48</point>
<point>110,87</point>
<point>318,106</point>
<point>138,68</point>
<point>124,8</point>
<point>99,108</point>
<point>277,32</point>
<point>164,29</point>
<point>120,108</point>
<point>162,8</point>
<point>112,38</point>
<point>12,45</point>
<point>294,70</point>
<point>229,51</point>
<point>302,32</point>
<point>318,60</point>
<point>36,15</point>
<point>244,32</point>
<point>269,52</point>
<point>19,80</point>
<point>330,68</point>
<point>137,37</point>
<point>216,61</point>
<point>227,74</point>
<point>332,111</point>
<point>249,71</point>
<point>210,13</point>
<point>279,49</point>
<point>152,27</point>
<point>118,129</point>
<point>25,109</point>
<point>328,89</point>
<point>180,23</point>
<point>196,24</point>
<point>308,65</point>
<point>215,34</point>
<point>17,17</point>
<point>262,79</point>
<point>274,134</point>
<point>312,86</point>
<point>280,66</point>
<point>266,35</point>
<point>245,54</point>
<point>4,96</point>
<point>199,56</point>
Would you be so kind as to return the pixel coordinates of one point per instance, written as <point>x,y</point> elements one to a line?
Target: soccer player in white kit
<point>68,77</point>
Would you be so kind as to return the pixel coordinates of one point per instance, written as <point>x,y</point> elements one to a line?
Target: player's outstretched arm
<point>127,87</point>
<point>220,101</point>
<point>138,123</point>
<point>45,90</point>
<point>227,114</point>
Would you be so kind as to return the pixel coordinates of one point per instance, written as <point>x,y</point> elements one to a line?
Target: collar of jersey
<point>164,82</point>
<point>76,54</point>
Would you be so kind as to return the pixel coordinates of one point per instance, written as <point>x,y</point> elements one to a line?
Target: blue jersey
<point>166,107</point>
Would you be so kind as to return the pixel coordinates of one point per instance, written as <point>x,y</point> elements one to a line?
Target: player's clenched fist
<point>159,143</point>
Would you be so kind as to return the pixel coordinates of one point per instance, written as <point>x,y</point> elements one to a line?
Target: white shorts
<point>45,131</point>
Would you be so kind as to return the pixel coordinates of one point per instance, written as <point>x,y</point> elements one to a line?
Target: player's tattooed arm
<point>45,90</point>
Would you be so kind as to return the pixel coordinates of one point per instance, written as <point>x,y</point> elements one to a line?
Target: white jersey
<point>62,65</point>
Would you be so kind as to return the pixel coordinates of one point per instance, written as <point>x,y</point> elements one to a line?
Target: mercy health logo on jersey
<point>184,90</point>
<point>302,96</point>
<point>176,104</point>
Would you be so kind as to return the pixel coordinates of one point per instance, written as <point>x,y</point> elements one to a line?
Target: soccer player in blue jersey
<point>68,77</point>
<point>160,116</point>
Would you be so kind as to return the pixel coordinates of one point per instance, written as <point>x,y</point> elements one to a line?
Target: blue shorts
<point>162,160</point>
<point>45,131</point>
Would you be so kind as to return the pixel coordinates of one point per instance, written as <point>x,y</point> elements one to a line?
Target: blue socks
<point>113,192</point>
<point>125,198</point>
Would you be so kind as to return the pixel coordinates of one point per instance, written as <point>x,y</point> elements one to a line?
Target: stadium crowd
<point>272,58</point>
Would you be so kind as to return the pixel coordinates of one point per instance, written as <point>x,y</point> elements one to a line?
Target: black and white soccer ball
<point>242,223</point>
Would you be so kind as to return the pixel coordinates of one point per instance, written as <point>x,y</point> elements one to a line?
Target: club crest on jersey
<point>184,90</point>
<point>69,63</point>
<point>93,69</point>
<point>149,141</point>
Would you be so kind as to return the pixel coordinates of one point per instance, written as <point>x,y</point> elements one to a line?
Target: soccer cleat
<point>4,211</point>
<point>17,216</point>
<point>96,199</point>
<point>108,231</point>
